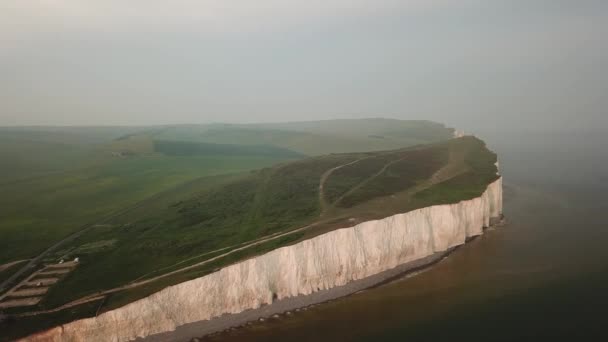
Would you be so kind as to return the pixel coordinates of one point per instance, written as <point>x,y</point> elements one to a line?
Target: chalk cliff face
<point>326,261</point>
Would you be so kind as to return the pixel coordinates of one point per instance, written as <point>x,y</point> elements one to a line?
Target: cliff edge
<point>323,262</point>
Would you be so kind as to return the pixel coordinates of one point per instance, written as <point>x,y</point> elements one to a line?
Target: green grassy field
<point>55,180</point>
<point>39,211</point>
<point>317,137</point>
<point>241,208</point>
<point>160,198</point>
<point>403,170</point>
<point>5,273</point>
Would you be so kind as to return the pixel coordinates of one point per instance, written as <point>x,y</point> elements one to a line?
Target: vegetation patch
<point>399,173</point>
<point>41,211</point>
<point>8,272</point>
<point>186,148</point>
<point>347,177</point>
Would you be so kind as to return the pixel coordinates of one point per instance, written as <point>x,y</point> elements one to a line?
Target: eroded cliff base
<point>198,329</point>
<point>203,328</point>
<point>190,331</point>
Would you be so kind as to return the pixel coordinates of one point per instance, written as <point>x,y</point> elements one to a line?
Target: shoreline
<point>200,329</point>
<point>373,252</point>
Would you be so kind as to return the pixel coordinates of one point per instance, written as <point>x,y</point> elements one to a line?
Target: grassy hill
<point>317,137</point>
<point>156,200</point>
<point>56,180</point>
<point>185,148</point>
<point>230,210</point>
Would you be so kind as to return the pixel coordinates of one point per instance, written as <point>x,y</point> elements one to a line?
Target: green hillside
<point>57,180</point>
<point>241,208</point>
<point>317,137</point>
<point>36,151</point>
<point>187,149</point>
<point>192,229</point>
<point>157,204</point>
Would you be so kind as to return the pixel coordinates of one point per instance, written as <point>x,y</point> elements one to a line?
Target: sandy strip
<point>37,291</point>
<point>42,281</point>
<point>10,264</point>
<point>20,302</point>
<point>54,271</point>
<point>68,264</point>
<point>198,329</point>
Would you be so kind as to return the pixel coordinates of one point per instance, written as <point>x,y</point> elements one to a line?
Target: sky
<point>489,64</point>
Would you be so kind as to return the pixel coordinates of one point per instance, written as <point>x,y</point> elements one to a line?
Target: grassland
<point>39,211</point>
<point>184,148</point>
<point>55,180</point>
<point>241,208</point>
<point>317,137</point>
<point>7,270</point>
<point>400,171</point>
<point>162,198</point>
<point>254,205</point>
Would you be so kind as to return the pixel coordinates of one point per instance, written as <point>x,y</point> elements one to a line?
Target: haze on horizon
<point>528,65</point>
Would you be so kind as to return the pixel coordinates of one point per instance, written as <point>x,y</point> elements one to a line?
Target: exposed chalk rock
<point>326,261</point>
<point>459,134</point>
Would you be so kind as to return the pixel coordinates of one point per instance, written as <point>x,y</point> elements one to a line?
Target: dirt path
<point>454,167</point>
<point>102,294</point>
<point>10,264</point>
<point>367,180</point>
<point>21,283</point>
<point>322,200</point>
<point>31,265</point>
<point>37,286</point>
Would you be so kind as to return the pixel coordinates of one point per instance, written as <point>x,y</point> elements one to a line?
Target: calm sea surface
<point>544,276</point>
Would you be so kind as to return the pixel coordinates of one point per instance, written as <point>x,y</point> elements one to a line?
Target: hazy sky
<point>469,63</point>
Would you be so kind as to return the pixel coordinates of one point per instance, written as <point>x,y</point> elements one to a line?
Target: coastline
<point>200,329</point>
<point>300,275</point>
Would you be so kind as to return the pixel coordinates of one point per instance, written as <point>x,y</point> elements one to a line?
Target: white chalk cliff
<point>323,262</point>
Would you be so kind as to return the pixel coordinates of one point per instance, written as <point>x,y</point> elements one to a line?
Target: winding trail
<point>368,179</point>
<point>322,200</point>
